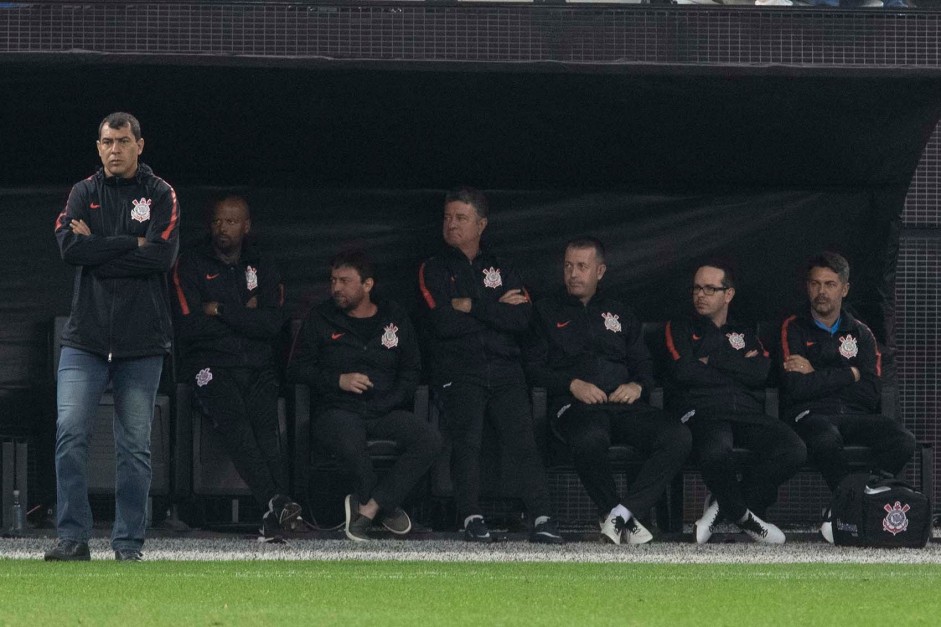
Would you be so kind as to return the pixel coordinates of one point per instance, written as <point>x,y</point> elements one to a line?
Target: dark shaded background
<point>765,167</point>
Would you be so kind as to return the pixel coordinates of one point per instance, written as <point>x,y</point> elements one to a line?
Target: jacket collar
<point>249,254</point>
<point>143,172</point>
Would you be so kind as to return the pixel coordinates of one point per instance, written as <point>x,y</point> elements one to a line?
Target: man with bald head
<point>229,301</point>
<point>588,352</point>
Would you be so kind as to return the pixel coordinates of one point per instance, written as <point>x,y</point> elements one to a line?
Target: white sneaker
<point>636,533</point>
<point>826,529</point>
<point>611,528</point>
<point>761,531</point>
<point>704,527</point>
<point>773,3</point>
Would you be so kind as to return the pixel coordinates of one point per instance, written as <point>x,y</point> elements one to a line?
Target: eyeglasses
<point>708,290</point>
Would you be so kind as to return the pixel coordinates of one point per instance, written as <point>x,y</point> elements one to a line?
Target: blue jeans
<point>82,379</point>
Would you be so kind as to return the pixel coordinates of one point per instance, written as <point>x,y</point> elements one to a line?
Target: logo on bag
<point>141,210</point>
<point>251,278</point>
<point>611,322</point>
<point>895,521</point>
<point>848,346</point>
<point>204,376</point>
<point>492,277</point>
<point>389,338</point>
<point>737,340</point>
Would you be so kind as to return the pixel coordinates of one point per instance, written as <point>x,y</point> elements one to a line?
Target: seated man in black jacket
<point>832,381</point>
<point>361,359</point>
<point>589,354</point>
<point>719,370</point>
<point>228,312</point>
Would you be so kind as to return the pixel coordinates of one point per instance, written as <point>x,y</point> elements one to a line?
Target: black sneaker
<point>546,532</point>
<point>357,526</point>
<point>128,555</point>
<point>396,521</point>
<point>476,531</point>
<point>68,551</point>
<point>285,511</point>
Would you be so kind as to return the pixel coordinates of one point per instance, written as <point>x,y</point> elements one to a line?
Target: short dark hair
<point>588,242</point>
<point>119,119</point>
<point>729,278</point>
<point>356,259</point>
<point>831,261</point>
<point>472,196</point>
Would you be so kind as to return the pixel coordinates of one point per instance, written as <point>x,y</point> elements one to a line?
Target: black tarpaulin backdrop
<point>665,168</point>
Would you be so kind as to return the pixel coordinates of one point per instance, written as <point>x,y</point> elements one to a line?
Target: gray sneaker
<point>357,526</point>
<point>396,521</point>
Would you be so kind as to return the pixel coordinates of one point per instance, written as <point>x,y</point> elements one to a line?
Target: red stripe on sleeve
<point>668,333</point>
<point>281,294</point>
<point>429,299</point>
<point>60,220</point>
<point>174,217</point>
<point>184,306</point>
<point>785,351</point>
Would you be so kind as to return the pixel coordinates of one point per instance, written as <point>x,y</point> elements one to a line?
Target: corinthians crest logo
<point>389,339</point>
<point>203,377</point>
<point>141,210</point>
<point>895,521</point>
<point>492,277</point>
<point>848,346</point>
<point>611,322</point>
<point>251,277</point>
<point>737,340</point>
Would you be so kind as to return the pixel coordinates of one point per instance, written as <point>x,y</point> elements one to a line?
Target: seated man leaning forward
<point>719,373</point>
<point>832,381</point>
<point>361,359</point>
<point>228,312</point>
<point>589,354</point>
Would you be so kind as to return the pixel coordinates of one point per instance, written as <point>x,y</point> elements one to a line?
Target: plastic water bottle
<point>19,516</point>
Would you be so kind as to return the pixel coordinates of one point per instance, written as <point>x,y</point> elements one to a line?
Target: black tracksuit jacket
<point>120,302</point>
<point>239,337</point>
<point>484,342</point>
<point>830,389</point>
<point>330,346</point>
<point>730,383</point>
<point>600,342</point>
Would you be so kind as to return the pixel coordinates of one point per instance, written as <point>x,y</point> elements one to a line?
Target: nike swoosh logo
<point>94,206</point>
<point>336,336</point>
<point>562,325</point>
<point>696,337</point>
<point>210,277</point>
<point>809,343</point>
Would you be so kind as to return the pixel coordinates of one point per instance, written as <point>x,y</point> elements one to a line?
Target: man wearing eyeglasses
<point>719,369</point>
<point>588,351</point>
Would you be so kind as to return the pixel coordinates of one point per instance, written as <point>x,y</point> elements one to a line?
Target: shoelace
<point>750,524</point>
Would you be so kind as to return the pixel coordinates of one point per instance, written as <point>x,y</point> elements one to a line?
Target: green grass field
<point>417,593</point>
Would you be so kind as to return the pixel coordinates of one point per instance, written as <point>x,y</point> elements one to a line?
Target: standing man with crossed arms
<point>120,229</point>
<point>477,308</point>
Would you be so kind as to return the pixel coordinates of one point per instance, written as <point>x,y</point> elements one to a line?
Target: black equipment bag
<point>880,511</point>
